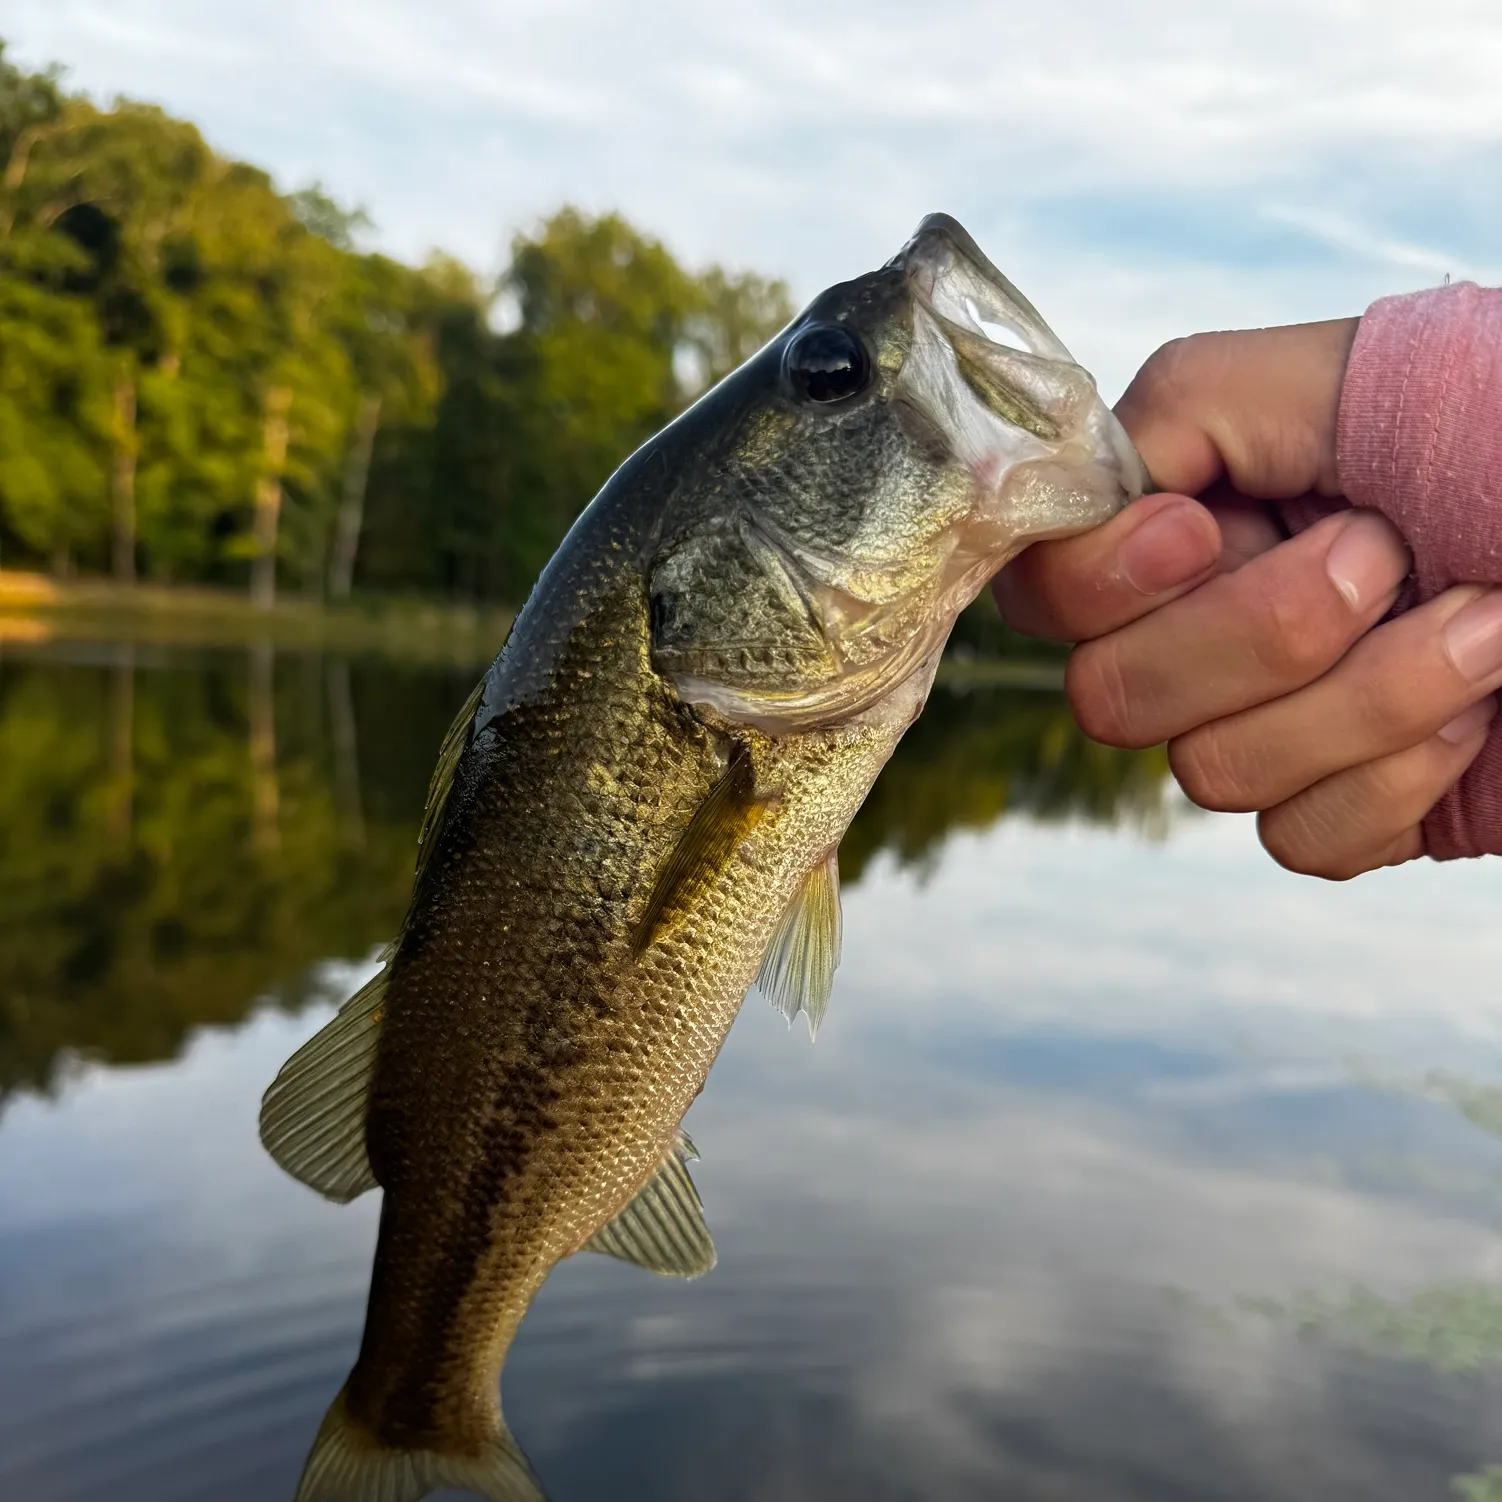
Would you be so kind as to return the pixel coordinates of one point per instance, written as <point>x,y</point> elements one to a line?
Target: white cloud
<point>1121,161</point>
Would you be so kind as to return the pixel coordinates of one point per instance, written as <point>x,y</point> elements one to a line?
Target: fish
<point>636,816</point>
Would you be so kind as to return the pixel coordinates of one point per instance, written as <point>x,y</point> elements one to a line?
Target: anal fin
<point>797,974</point>
<point>663,1228</point>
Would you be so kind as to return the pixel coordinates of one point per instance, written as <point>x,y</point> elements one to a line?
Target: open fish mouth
<point>1012,361</point>
<point>955,280</point>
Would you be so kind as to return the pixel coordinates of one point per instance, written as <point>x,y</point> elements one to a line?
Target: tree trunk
<point>123,480</point>
<point>352,503</point>
<point>269,498</point>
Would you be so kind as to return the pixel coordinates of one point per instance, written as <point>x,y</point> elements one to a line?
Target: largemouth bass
<point>637,814</point>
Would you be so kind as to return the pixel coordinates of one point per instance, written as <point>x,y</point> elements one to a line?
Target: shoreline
<point>37,610</point>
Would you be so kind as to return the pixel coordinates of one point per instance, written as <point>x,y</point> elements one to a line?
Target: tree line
<point>204,379</point>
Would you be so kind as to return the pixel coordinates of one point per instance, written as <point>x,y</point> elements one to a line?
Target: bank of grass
<point>35,608</point>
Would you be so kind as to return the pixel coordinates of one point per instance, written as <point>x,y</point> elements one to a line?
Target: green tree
<point>531,422</point>
<point>379,321</point>
<point>111,193</point>
<point>736,316</point>
<point>203,378</point>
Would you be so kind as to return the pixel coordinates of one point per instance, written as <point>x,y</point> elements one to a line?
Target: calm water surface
<point>1125,1167</point>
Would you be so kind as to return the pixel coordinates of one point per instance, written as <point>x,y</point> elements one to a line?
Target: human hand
<point>1256,658</point>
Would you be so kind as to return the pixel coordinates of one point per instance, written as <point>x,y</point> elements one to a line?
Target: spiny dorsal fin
<point>797,974</point>
<point>663,1228</point>
<point>313,1116</point>
<point>729,812</point>
<point>455,744</point>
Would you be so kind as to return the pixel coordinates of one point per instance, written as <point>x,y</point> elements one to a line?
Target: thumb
<point>1257,407</point>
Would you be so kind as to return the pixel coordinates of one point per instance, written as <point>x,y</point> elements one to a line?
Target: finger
<point>1396,687</point>
<point>1242,638</point>
<point>1372,815</point>
<point>1081,587</point>
<point>1258,406</point>
<point>1248,528</point>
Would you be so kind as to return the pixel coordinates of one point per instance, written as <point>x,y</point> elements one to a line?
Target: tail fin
<point>349,1465</point>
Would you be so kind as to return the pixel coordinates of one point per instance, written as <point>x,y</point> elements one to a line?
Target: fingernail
<point>1473,637</point>
<point>1367,561</point>
<point>1175,545</point>
<point>1470,722</point>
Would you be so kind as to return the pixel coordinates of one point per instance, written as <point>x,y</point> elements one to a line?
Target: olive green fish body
<point>533,1068</point>
<point>637,814</point>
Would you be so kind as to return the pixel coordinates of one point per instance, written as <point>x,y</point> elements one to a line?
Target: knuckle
<point>1384,711</point>
<point>1100,694</point>
<point>1168,373</point>
<point>1333,830</point>
<point>1212,773</point>
<point>1299,839</point>
<point>1292,642</point>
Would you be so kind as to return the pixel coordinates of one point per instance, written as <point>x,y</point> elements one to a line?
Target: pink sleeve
<point>1421,441</point>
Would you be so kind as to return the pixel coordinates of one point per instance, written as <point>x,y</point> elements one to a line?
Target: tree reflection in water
<point>183,836</point>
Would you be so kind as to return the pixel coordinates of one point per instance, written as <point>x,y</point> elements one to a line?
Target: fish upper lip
<point>972,287</point>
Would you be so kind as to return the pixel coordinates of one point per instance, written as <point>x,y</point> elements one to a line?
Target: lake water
<point>1126,1166</point>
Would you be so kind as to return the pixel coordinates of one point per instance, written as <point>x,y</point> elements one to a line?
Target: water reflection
<point>1038,1216</point>
<point>180,836</point>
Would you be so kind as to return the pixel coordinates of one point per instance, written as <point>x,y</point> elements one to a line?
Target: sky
<point>1139,170</point>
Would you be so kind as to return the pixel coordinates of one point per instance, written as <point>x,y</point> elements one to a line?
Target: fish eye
<point>827,363</point>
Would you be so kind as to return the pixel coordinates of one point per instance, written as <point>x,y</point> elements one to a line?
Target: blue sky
<point>1139,170</point>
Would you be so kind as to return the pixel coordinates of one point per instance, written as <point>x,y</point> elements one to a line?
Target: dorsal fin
<point>663,1228</point>
<point>797,974</point>
<point>730,810</point>
<point>455,744</point>
<point>313,1115</point>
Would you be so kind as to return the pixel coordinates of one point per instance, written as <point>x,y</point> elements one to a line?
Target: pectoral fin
<point>313,1116</point>
<point>797,974</point>
<point>663,1228</point>
<point>727,814</point>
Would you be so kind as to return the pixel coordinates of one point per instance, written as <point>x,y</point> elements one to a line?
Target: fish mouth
<point>1009,357</point>
<point>956,281</point>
